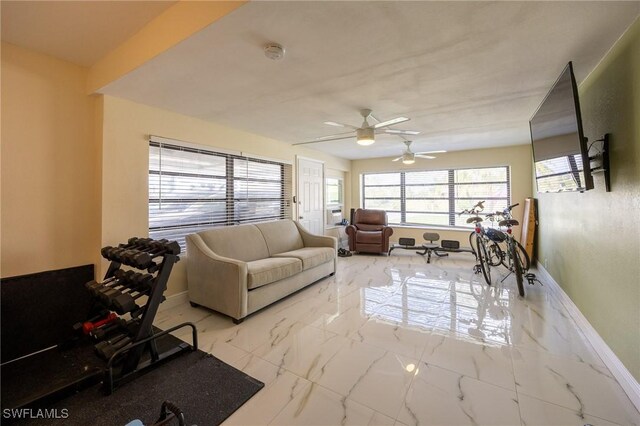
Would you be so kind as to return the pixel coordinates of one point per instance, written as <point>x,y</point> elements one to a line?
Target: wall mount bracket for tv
<point>599,162</point>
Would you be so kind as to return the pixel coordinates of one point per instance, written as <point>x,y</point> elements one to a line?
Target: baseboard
<point>174,300</point>
<point>613,363</point>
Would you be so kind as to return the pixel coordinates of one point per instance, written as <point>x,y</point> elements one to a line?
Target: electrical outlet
<point>545,263</point>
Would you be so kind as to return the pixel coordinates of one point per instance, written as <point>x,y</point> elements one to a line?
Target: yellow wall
<point>50,208</point>
<point>517,157</point>
<point>126,128</point>
<point>590,242</point>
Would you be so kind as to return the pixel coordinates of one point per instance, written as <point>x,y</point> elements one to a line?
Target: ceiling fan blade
<point>344,134</point>
<point>324,140</point>
<point>431,152</point>
<point>336,124</point>
<point>401,132</point>
<point>429,157</point>
<point>397,159</point>
<point>391,122</point>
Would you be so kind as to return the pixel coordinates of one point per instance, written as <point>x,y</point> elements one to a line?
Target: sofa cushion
<point>241,242</point>
<point>369,237</point>
<point>266,271</point>
<point>281,236</point>
<point>310,256</point>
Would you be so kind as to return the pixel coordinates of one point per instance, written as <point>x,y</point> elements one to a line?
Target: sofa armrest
<point>214,281</point>
<point>313,240</point>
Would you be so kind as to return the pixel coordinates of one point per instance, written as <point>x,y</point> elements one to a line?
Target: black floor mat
<point>206,390</point>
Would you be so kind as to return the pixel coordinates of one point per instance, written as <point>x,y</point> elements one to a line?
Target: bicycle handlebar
<point>479,205</point>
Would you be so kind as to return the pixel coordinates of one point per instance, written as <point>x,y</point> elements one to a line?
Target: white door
<point>310,199</point>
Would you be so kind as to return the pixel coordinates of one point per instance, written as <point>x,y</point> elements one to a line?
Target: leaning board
<point>528,226</point>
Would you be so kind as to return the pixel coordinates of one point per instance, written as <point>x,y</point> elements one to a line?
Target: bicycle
<point>477,235</point>
<point>515,257</point>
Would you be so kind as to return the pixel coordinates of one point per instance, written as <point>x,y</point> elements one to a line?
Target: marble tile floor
<point>396,341</point>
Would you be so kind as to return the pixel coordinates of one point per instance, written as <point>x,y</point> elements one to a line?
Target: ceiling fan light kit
<point>409,157</point>
<point>365,136</point>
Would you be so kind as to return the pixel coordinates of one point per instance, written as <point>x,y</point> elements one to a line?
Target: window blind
<point>434,197</point>
<point>193,189</point>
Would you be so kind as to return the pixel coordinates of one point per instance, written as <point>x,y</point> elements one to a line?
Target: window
<point>193,189</point>
<point>434,197</point>
<point>333,201</point>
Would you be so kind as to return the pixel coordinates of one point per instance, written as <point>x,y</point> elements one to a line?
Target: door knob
<point>300,217</point>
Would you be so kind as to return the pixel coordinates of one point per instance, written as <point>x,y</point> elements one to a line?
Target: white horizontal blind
<point>192,189</point>
<point>560,174</point>
<point>433,197</point>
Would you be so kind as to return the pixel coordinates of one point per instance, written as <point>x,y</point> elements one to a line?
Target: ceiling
<point>80,32</point>
<point>468,74</point>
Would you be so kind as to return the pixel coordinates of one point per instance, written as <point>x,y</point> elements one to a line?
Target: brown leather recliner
<point>369,232</point>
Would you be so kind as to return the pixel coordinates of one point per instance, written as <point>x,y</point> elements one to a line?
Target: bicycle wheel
<point>472,243</point>
<point>495,254</point>
<point>523,256</point>
<point>517,269</point>
<point>483,258</point>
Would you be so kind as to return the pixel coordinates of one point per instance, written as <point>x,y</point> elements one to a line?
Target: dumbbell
<point>89,326</point>
<point>77,327</point>
<point>101,333</point>
<point>119,278</point>
<point>156,248</point>
<point>104,292</point>
<point>126,302</point>
<point>109,348</point>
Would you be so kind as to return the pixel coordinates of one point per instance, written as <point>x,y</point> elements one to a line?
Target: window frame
<point>451,185</point>
<point>231,197</point>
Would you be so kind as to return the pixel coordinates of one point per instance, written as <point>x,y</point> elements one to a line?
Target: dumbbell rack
<point>143,351</point>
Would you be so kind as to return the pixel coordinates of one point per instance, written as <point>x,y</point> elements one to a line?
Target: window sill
<point>434,227</point>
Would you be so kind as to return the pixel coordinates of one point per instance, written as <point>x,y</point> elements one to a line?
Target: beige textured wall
<point>126,127</point>
<point>590,242</point>
<point>50,208</point>
<point>517,157</point>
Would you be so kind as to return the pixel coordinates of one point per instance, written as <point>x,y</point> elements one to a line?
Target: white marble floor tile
<point>442,397</point>
<point>320,406</point>
<point>184,313</point>
<point>380,419</point>
<point>539,413</point>
<point>304,351</point>
<point>264,406</point>
<point>341,322</point>
<point>545,328</point>
<point>491,364</point>
<point>260,329</point>
<point>396,341</point>
<point>369,375</point>
<point>396,337</point>
<point>258,368</point>
<point>584,388</point>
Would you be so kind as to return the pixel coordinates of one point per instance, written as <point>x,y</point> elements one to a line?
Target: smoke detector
<point>274,51</point>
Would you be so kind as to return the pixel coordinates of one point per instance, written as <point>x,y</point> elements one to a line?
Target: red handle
<point>88,327</point>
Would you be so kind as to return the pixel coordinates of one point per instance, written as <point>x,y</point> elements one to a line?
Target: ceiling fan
<point>365,134</point>
<point>409,157</point>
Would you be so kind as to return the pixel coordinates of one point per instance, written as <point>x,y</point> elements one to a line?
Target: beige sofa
<point>237,270</point>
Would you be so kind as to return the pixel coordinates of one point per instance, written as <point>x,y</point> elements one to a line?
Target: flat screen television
<point>560,153</point>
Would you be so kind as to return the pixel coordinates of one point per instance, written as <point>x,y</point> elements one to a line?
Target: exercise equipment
<point>88,326</point>
<point>430,246</point>
<point>121,291</point>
